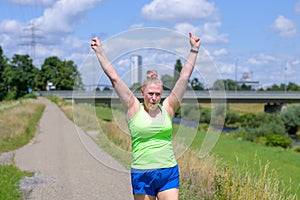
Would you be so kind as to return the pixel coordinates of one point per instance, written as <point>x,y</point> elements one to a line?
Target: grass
<point>17,128</point>
<point>10,176</point>
<point>18,124</point>
<point>234,153</point>
<point>241,108</point>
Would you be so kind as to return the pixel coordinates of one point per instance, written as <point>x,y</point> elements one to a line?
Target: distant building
<point>136,69</point>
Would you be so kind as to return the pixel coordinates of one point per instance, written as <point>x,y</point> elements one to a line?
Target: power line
<point>33,36</point>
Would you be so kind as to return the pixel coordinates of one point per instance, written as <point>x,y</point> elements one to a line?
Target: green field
<point>243,153</point>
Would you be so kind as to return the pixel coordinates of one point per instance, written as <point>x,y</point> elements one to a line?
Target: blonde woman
<point>154,170</point>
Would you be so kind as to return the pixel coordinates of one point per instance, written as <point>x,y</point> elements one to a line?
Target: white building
<point>136,69</point>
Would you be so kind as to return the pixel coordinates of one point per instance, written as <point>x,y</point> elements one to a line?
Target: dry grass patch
<point>18,124</point>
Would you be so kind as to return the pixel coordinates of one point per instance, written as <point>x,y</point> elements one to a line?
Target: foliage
<point>231,117</point>
<point>168,82</point>
<point>234,184</point>
<point>3,65</point>
<point>18,75</point>
<point>177,70</point>
<point>61,73</point>
<point>275,140</point>
<point>18,124</point>
<point>196,84</point>
<point>250,120</point>
<point>30,96</point>
<point>291,118</point>
<point>10,176</point>
<point>297,149</point>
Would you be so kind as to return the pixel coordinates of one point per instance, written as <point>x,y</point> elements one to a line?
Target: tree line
<point>19,76</point>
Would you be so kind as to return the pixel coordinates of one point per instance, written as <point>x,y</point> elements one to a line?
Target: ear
<point>142,91</point>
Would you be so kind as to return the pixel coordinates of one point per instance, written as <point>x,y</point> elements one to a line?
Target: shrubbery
<point>263,128</point>
<point>291,118</point>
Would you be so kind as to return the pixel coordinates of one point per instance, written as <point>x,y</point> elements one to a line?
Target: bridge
<point>272,99</point>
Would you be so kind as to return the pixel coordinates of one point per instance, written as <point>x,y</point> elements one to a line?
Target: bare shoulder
<point>168,107</point>
<point>133,108</point>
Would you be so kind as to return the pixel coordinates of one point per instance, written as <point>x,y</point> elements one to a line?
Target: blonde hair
<point>152,78</point>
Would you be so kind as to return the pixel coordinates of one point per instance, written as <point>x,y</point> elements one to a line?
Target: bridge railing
<point>189,96</point>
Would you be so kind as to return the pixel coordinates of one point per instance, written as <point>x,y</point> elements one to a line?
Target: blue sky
<point>258,38</point>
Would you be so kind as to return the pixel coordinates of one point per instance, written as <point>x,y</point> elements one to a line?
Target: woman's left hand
<point>195,42</point>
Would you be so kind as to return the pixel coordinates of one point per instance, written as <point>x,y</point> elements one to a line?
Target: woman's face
<point>152,95</point>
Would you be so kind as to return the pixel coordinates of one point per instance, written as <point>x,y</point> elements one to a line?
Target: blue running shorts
<point>152,181</point>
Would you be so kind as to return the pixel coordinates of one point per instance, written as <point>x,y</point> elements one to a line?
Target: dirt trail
<point>64,169</point>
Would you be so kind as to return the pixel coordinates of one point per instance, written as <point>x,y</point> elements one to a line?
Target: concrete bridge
<point>273,100</point>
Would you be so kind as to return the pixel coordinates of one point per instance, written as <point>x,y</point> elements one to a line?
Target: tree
<point>218,85</point>
<point>136,87</point>
<point>293,87</point>
<point>63,74</point>
<point>291,118</point>
<point>3,65</point>
<point>276,87</point>
<point>19,75</point>
<point>177,70</point>
<point>168,82</point>
<point>196,85</point>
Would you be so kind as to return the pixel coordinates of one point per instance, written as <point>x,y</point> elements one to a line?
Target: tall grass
<point>18,124</point>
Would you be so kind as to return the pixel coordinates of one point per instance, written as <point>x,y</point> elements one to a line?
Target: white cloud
<point>32,2</point>
<point>284,27</point>
<point>10,26</point>
<point>220,52</point>
<point>261,60</point>
<point>179,10</point>
<point>208,33</point>
<point>63,14</point>
<point>297,8</point>
<point>226,69</point>
<point>296,63</point>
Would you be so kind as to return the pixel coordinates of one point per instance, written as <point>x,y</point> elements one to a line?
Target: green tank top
<point>151,140</point>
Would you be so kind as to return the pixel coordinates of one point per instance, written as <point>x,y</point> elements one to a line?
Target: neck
<point>152,113</point>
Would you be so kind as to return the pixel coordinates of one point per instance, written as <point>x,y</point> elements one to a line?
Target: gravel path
<point>63,167</point>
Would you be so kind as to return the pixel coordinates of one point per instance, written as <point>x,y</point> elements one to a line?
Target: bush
<point>12,95</point>
<point>251,120</point>
<point>30,96</point>
<point>232,117</point>
<point>205,116</point>
<point>239,133</point>
<point>278,141</point>
<point>264,130</point>
<point>291,118</point>
<point>297,149</point>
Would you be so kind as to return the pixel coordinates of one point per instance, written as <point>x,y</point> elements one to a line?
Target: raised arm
<point>127,98</point>
<point>172,102</point>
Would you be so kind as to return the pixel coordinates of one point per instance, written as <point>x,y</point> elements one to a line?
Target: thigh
<point>171,194</point>
<point>143,197</point>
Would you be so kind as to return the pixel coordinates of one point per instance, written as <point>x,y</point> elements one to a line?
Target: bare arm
<point>172,102</point>
<point>127,98</point>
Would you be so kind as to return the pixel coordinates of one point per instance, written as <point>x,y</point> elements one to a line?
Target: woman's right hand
<point>96,44</point>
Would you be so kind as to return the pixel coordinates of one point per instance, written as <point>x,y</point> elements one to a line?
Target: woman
<point>154,170</point>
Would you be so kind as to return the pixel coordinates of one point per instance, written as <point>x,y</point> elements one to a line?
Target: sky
<point>244,40</point>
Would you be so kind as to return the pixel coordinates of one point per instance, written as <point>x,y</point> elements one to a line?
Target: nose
<point>154,98</point>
